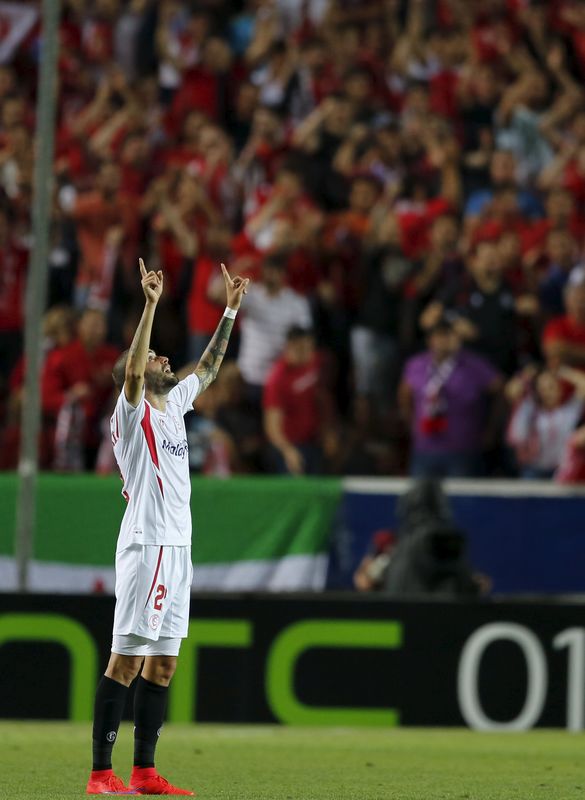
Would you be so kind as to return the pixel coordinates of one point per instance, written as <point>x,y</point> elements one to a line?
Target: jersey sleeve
<point>126,416</point>
<point>185,392</point>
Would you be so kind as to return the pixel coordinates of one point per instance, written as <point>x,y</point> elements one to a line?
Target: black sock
<point>150,705</point>
<point>110,699</point>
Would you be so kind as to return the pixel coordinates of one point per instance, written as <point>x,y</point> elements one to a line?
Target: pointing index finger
<point>226,274</point>
<point>142,268</point>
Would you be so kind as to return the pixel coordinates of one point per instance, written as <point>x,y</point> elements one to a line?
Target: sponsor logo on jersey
<point>179,450</point>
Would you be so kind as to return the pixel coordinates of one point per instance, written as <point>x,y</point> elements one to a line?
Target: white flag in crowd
<point>16,22</point>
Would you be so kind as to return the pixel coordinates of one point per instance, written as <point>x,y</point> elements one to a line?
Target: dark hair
<point>119,371</point>
<point>505,188</point>
<point>346,27</point>
<point>292,164</point>
<point>341,97</point>
<point>12,96</point>
<point>276,111</point>
<point>358,71</point>
<point>275,261</point>
<point>367,177</point>
<point>443,325</point>
<point>416,83</point>
<point>312,41</point>
<point>278,48</point>
<point>297,332</point>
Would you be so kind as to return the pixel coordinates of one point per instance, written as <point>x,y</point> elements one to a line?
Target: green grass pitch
<point>50,761</point>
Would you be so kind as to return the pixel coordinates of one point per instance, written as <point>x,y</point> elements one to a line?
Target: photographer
<point>430,558</point>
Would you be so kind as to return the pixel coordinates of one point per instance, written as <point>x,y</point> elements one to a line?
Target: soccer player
<point>153,556</point>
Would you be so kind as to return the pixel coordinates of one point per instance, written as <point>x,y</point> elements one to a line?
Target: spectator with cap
<point>447,396</point>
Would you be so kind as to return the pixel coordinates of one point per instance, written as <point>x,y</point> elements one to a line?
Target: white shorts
<point>132,645</point>
<point>153,591</point>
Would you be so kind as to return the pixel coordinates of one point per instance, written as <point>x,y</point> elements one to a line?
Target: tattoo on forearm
<point>211,359</point>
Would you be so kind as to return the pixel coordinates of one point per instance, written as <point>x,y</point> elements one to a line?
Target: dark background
<point>419,679</point>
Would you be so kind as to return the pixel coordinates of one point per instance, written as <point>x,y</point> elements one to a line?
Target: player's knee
<point>166,670</point>
<point>123,669</point>
<point>160,669</point>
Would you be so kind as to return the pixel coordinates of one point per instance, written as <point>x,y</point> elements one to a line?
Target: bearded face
<point>161,383</point>
<point>158,377</point>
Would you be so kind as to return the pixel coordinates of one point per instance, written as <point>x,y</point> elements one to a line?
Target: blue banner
<point>529,538</point>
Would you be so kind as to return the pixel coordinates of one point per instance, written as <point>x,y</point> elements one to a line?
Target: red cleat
<point>146,780</point>
<point>104,781</point>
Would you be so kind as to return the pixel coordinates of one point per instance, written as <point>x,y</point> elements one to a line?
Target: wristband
<point>230,312</point>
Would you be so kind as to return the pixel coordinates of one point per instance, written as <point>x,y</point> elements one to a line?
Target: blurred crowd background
<point>404,183</point>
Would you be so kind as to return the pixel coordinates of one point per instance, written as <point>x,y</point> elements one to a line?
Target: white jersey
<point>153,456</point>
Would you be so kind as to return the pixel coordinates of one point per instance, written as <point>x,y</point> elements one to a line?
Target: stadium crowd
<point>404,182</point>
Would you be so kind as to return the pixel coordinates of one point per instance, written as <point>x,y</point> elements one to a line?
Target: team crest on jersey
<point>154,621</point>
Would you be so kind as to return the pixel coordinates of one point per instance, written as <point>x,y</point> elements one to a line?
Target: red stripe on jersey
<point>160,552</point>
<point>149,434</point>
<point>146,426</point>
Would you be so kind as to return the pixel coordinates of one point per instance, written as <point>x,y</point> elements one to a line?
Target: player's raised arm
<point>208,367</point>
<point>152,286</point>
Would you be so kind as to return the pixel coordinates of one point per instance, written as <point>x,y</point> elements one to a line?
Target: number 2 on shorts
<point>161,593</point>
